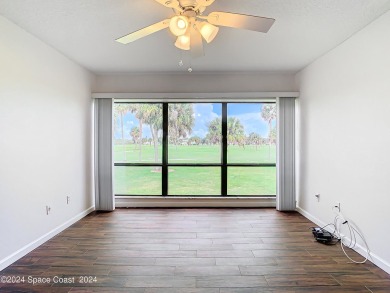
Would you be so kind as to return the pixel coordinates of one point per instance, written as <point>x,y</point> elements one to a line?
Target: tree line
<point>181,120</point>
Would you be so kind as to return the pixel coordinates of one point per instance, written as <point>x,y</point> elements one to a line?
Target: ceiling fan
<point>190,26</point>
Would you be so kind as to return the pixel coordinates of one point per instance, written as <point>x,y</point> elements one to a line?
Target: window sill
<point>195,202</point>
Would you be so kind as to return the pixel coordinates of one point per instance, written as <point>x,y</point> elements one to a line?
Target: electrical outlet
<point>48,209</point>
<point>67,199</point>
<point>338,206</point>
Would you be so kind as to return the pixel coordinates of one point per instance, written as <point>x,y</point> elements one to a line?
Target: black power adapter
<point>322,236</point>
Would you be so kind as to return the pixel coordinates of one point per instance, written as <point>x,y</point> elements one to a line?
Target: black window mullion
<point>164,165</point>
<point>224,151</point>
<point>165,151</point>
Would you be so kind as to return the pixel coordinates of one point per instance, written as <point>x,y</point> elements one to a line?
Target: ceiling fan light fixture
<point>191,27</point>
<point>179,25</point>
<point>183,42</point>
<point>208,31</point>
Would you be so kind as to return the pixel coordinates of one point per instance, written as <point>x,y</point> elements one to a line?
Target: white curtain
<point>104,191</point>
<point>285,163</point>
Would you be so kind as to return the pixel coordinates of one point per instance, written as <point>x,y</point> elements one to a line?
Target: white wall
<point>195,83</point>
<point>45,141</point>
<point>345,135</point>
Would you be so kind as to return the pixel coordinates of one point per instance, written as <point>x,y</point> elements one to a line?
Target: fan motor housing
<point>188,3</point>
<point>189,12</point>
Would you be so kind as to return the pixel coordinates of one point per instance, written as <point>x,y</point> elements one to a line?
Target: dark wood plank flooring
<point>193,251</point>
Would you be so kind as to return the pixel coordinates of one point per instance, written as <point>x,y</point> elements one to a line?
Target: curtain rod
<point>241,96</point>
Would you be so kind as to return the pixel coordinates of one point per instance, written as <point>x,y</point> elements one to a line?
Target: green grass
<point>249,154</point>
<point>196,154</point>
<point>194,181</point>
<point>131,154</point>
<point>137,180</point>
<point>252,181</point>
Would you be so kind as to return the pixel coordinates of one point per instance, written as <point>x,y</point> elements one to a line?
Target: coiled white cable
<point>340,220</point>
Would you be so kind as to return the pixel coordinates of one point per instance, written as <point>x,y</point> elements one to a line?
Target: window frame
<point>224,165</point>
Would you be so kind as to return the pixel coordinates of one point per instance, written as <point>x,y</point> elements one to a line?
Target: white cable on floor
<point>340,220</point>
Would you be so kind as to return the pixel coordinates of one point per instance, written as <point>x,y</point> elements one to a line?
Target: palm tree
<point>152,115</point>
<point>268,113</point>
<point>214,134</point>
<point>235,131</point>
<point>181,121</point>
<point>135,134</point>
<point>122,110</point>
<point>139,113</point>
<point>254,138</point>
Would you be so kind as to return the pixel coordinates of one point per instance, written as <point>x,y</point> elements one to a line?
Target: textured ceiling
<point>84,30</point>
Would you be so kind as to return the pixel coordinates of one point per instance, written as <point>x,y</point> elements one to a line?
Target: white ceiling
<point>84,30</point>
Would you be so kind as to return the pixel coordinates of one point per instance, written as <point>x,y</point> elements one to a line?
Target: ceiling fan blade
<point>169,3</point>
<point>196,40</point>
<point>144,32</point>
<point>203,3</point>
<point>249,22</point>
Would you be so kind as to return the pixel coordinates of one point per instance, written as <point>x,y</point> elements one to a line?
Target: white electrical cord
<point>340,220</point>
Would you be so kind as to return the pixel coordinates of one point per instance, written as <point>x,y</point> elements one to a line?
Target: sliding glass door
<point>195,149</point>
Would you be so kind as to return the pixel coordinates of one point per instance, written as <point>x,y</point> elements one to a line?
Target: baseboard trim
<point>378,261</point>
<point>310,217</point>
<point>193,202</point>
<point>36,243</point>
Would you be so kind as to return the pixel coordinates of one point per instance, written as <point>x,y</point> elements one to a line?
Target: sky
<point>247,113</point>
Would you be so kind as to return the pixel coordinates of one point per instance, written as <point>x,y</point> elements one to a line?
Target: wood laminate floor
<point>192,251</point>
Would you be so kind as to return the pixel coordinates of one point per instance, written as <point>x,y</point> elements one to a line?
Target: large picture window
<point>194,149</point>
